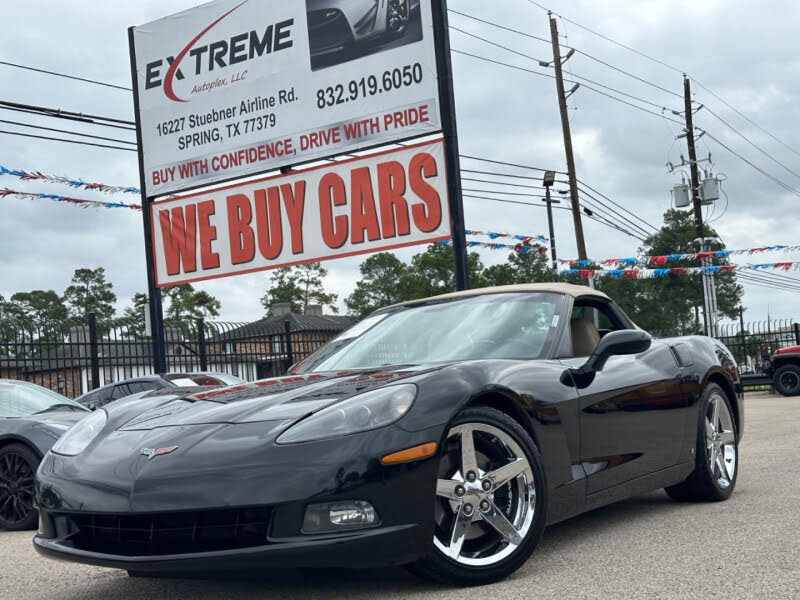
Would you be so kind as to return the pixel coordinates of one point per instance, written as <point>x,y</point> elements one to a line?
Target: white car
<point>334,25</point>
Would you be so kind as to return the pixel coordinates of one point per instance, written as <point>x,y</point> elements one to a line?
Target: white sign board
<point>234,88</point>
<point>379,202</point>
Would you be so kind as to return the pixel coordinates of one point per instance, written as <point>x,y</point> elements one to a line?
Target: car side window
<point>589,322</point>
<point>120,391</point>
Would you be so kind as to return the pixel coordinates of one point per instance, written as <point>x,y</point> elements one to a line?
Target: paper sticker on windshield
<point>359,328</point>
<point>555,321</point>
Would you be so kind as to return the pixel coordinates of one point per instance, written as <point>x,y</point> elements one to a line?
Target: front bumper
<point>376,547</point>
<point>283,481</point>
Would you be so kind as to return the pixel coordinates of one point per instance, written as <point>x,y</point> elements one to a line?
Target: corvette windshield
<point>20,399</point>
<point>514,325</point>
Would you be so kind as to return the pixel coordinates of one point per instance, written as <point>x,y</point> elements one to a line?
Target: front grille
<point>328,30</point>
<point>169,533</point>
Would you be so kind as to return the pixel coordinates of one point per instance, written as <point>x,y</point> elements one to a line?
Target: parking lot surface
<point>646,547</point>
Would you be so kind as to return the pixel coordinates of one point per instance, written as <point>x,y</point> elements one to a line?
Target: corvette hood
<point>277,399</point>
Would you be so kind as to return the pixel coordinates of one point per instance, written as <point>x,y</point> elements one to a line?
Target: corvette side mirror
<point>614,343</point>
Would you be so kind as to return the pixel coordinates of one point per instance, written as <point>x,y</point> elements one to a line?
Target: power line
<point>41,137</point>
<point>508,164</point>
<point>746,139</point>
<point>588,87</point>
<point>103,83</point>
<point>74,119</point>
<point>677,70</point>
<point>624,72</point>
<point>608,39</point>
<point>528,35</point>
<point>753,123</point>
<point>586,185</point>
<point>542,63</point>
<point>86,135</point>
<point>787,187</point>
<point>86,118</point>
<point>586,54</point>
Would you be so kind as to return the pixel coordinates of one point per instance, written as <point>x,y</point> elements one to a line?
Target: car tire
<point>716,453</point>
<point>396,10</point>
<point>787,380</point>
<point>468,547</point>
<point>18,464</point>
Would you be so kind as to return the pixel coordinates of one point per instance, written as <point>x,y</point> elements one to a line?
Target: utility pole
<point>548,181</point>
<point>562,106</point>
<point>708,317</point>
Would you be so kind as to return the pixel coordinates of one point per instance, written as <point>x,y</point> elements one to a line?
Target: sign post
<point>447,106</point>
<point>155,305</point>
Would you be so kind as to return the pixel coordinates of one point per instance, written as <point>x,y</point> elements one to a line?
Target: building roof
<point>557,288</point>
<point>275,325</point>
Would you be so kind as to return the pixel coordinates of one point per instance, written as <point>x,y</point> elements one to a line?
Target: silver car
<point>335,25</point>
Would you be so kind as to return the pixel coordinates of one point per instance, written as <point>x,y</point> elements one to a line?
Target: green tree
<point>522,267</point>
<point>384,281</point>
<point>431,272</point>
<point>36,310</point>
<point>300,286</point>
<point>187,303</point>
<point>89,292</point>
<point>668,304</point>
<point>132,319</point>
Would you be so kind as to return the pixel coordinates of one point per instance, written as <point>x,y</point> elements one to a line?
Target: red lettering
<point>268,222</point>
<point>394,209</point>
<point>295,203</point>
<point>208,233</point>
<point>242,238</point>
<point>332,193</point>
<point>422,167</point>
<point>363,213</point>
<point>179,236</point>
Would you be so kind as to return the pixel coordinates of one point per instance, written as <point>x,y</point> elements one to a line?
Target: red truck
<point>784,369</point>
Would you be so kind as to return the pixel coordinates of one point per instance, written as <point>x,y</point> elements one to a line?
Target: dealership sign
<point>234,88</point>
<point>387,200</point>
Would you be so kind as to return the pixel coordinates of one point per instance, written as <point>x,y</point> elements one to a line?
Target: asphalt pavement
<point>646,547</point>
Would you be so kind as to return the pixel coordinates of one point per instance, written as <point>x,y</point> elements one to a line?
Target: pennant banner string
<point>660,273</point>
<point>665,258</point>
<point>74,183</point>
<point>522,238</point>
<point>5,192</point>
<point>521,248</point>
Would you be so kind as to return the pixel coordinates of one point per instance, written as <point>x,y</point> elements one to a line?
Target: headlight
<point>76,439</point>
<point>366,411</point>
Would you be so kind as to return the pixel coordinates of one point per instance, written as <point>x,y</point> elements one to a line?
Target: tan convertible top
<point>558,288</point>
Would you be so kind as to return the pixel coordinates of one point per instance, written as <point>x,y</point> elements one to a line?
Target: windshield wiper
<point>54,406</point>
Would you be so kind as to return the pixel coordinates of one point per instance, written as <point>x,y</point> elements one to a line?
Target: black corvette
<point>444,434</point>
<point>32,418</point>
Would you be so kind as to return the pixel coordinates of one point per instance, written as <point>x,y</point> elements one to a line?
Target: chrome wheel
<point>398,16</point>
<point>720,441</point>
<point>16,488</point>
<point>486,496</point>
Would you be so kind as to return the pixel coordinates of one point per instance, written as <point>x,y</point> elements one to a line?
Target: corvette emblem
<point>151,452</point>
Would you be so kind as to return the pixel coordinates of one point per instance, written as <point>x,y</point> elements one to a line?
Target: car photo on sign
<point>343,30</point>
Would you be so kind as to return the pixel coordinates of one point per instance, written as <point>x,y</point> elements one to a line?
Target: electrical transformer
<point>709,190</point>
<point>680,195</point>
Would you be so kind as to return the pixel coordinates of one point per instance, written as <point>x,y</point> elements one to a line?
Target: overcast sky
<point>737,48</point>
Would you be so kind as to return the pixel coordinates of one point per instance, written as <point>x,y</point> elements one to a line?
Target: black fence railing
<point>77,359</point>
<point>753,343</point>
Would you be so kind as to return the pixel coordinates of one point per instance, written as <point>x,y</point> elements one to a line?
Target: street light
<point>547,181</point>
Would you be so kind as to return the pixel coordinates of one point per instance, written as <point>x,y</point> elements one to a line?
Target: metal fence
<point>753,343</point>
<point>77,359</point>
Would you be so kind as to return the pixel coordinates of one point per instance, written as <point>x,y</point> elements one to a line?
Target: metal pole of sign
<point>447,111</point>
<point>153,292</point>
